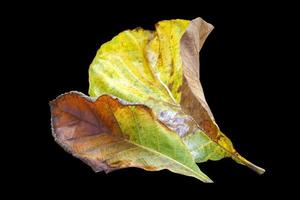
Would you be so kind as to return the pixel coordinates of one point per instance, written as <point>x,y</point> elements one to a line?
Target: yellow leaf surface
<point>161,70</point>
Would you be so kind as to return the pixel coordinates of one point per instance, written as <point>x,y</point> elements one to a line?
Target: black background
<point>240,67</point>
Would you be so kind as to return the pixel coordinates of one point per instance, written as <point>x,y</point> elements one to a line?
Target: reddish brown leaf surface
<point>110,134</point>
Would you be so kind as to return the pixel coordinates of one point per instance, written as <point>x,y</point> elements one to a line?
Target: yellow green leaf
<point>161,70</point>
<point>108,134</point>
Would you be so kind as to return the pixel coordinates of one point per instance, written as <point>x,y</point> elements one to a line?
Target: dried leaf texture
<point>150,111</point>
<point>110,134</point>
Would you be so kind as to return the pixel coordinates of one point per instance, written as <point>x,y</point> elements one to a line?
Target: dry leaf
<point>157,74</point>
<point>111,134</point>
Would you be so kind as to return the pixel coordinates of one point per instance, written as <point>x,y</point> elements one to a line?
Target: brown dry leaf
<point>191,91</point>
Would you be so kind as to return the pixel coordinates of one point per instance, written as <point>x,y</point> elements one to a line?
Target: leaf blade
<point>117,142</point>
<point>193,95</point>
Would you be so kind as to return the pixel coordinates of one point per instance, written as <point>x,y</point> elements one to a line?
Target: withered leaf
<point>109,134</point>
<point>151,111</point>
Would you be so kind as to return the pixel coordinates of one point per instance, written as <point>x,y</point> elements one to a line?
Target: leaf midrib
<point>198,175</point>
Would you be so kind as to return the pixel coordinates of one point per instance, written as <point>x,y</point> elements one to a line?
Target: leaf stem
<point>249,164</point>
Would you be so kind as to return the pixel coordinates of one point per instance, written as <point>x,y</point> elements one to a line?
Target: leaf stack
<point>146,107</point>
